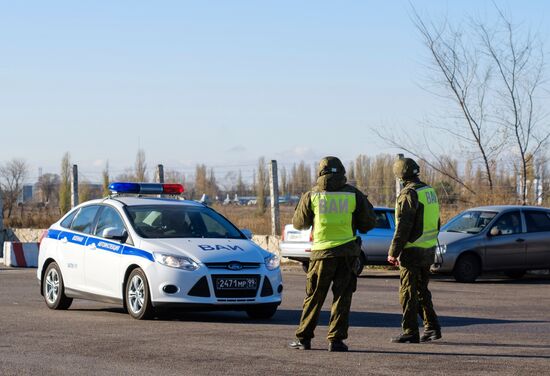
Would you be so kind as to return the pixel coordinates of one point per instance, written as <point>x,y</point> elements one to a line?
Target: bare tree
<point>261,184</point>
<point>140,168</point>
<point>240,186</point>
<point>12,175</point>
<point>283,186</point>
<point>65,184</point>
<point>105,179</point>
<point>491,75</point>
<point>174,176</point>
<point>461,70</point>
<point>519,61</point>
<point>47,185</point>
<point>84,191</point>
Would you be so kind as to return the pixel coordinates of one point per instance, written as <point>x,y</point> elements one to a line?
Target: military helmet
<point>404,168</point>
<point>331,165</point>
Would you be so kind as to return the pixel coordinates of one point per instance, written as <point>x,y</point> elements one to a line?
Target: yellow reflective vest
<point>428,199</point>
<point>332,223</point>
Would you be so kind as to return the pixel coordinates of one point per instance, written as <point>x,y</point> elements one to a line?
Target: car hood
<point>451,237</point>
<point>209,250</point>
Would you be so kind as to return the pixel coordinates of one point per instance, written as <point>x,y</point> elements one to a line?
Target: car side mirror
<point>247,233</point>
<point>494,231</point>
<point>115,233</point>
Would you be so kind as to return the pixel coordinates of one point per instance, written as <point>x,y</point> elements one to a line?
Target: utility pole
<point>274,192</point>
<point>74,186</point>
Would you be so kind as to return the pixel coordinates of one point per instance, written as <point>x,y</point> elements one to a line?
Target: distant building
<point>27,193</point>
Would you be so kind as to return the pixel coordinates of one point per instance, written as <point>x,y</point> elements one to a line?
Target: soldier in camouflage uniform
<point>413,249</point>
<point>336,211</point>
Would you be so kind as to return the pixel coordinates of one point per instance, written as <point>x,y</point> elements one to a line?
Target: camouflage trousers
<point>321,274</point>
<point>416,299</point>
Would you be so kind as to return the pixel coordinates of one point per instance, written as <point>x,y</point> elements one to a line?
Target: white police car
<point>148,253</point>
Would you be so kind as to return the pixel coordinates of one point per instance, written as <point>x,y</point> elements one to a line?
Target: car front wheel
<point>137,297</point>
<point>467,269</point>
<point>53,288</point>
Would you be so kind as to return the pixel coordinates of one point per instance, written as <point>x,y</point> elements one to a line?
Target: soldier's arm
<point>303,215</point>
<point>407,204</point>
<point>364,218</point>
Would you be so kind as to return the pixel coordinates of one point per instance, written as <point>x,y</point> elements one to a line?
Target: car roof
<point>139,201</point>
<point>500,208</point>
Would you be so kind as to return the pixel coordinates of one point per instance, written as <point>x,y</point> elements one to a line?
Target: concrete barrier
<point>24,255</point>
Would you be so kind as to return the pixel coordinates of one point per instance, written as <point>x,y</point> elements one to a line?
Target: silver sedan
<point>509,239</point>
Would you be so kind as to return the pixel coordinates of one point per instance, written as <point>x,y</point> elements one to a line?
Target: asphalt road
<point>493,327</point>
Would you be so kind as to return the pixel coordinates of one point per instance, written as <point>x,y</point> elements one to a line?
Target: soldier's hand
<point>393,261</point>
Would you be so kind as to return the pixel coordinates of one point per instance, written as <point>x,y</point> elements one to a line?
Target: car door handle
<point>520,240</point>
<point>64,240</point>
<point>92,246</point>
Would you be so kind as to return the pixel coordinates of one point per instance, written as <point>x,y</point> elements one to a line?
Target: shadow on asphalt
<point>292,317</point>
<point>387,320</point>
<point>446,354</point>
<point>499,280</point>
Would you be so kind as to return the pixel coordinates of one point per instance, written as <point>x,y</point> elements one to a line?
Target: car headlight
<point>441,249</point>
<point>180,262</point>
<point>272,262</point>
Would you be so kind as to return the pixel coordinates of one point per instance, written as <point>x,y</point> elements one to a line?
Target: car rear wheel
<point>359,265</point>
<point>467,269</point>
<point>264,311</point>
<point>305,266</point>
<point>53,288</point>
<point>514,274</point>
<point>137,297</point>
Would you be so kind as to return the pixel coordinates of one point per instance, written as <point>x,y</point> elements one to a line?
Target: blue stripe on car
<point>137,252</point>
<point>105,245</point>
<point>100,244</point>
<point>53,234</point>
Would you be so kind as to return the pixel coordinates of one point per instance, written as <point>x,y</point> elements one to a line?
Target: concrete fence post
<point>74,186</point>
<point>159,174</point>
<point>274,192</point>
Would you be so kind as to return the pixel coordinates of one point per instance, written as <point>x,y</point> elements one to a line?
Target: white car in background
<point>296,244</point>
<point>150,253</point>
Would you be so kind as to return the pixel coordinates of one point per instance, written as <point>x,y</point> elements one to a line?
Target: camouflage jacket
<point>410,224</point>
<point>363,218</point>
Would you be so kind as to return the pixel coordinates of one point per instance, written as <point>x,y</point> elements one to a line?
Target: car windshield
<point>470,222</point>
<point>178,221</point>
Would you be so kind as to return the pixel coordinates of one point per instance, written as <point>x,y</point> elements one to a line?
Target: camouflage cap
<point>404,168</point>
<point>331,165</point>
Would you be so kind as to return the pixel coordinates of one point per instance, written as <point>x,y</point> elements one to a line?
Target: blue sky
<point>215,82</point>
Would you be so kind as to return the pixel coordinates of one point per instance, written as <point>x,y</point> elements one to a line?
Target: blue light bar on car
<point>146,188</point>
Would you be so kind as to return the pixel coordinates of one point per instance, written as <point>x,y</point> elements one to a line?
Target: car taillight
<point>283,236</point>
<point>311,235</point>
<point>44,234</point>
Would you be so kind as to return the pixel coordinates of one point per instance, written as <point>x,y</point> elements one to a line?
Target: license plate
<point>235,283</point>
<point>294,236</point>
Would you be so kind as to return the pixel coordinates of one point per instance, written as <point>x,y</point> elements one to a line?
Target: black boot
<point>337,346</point>
<point>406,338</point>
<point>430,335</point>
<point>300,344</point>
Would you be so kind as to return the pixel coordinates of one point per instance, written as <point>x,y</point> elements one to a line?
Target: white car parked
<point>296,244</point>
<point>149,253</point>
